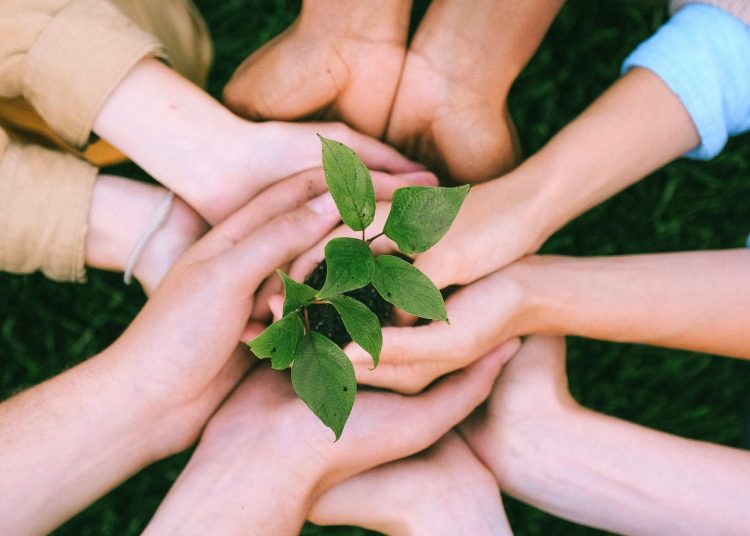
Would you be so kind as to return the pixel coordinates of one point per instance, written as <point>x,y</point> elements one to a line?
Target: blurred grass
<point>47,327</point>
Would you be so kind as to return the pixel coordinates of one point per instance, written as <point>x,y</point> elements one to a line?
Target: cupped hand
<point>264,457</point>
<point>323,70</point>
<point>531,393</point>
<point>184,341</point>
<point>443,490</point>
<point>482,315</point>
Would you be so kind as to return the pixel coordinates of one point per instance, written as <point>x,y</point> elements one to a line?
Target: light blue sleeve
<point>703,54</point>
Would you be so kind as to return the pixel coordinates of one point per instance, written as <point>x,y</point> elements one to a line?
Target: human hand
<point>230,470</point>
<point>211,158</point>
<point>443,490</point>
<point>121,210</point>
<point>530,396</point>
<point>183,342</point>
<point>482,315</point>
<point>343,67</point>
<point>313,184</point>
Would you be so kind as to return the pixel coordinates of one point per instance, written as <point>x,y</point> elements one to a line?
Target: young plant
<point>322,375</point>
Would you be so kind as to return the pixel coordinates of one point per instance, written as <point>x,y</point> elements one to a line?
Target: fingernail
<point>323,204</point>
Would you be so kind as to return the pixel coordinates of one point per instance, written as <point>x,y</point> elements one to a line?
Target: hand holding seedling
<point>322,374</point>
<point>266,459</point>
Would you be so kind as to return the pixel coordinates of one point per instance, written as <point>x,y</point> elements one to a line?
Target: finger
<point>433,413</point>
<point>277,199</point>
<point>411,358</point>
<point>248,262</point>
<point>270,287</point>
<point>375,154</point>
<point>276,304</point>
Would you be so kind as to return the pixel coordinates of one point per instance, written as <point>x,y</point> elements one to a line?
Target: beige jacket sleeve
<point>45,197</point>
<point>66,56</point>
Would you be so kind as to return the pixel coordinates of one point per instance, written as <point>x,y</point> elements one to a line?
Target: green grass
<point>47,327</point>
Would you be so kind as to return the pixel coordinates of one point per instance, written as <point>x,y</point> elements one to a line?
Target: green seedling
<point>322,375</point>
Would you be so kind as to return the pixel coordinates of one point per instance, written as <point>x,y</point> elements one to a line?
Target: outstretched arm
<point>597,470</point>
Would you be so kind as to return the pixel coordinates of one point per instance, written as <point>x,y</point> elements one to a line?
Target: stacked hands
<point>461,410</point>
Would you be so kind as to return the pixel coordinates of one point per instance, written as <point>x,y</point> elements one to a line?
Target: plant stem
<point>370,240</point>
<point>306,320</point>
<point>363,237</point>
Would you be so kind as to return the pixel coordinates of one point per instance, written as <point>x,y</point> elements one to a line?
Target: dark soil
<point>325,320</point>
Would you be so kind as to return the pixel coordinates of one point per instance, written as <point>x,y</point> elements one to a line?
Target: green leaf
<point>323,378</point>
<point>348,266</point>
<point>361,323</point>
<point>421,215</point>
<point>279,341</point>
<point>350,184</point>
<point>296,295</point>
<point>403,285</point>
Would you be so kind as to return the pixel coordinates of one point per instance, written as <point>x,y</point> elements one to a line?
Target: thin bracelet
<point>157,220</point>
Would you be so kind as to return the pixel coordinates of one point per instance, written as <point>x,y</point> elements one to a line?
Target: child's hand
<point>263,421</point>
<point>444,490</point>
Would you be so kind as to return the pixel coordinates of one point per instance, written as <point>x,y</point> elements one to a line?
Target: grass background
<point>47,327</point>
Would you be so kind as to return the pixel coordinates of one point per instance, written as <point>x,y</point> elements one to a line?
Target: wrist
<point>386,20</point>
<point>524,455</point>
<point>121,210</point>
<point>532,276</point>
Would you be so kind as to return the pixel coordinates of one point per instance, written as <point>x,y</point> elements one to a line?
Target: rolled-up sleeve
<point>66,56</point>
<point>703,54</point>
<point>45,197</point>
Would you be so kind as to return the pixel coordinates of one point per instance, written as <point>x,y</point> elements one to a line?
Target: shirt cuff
<point>703,54</point>
<point>45,198</point>
<point>79,58</point>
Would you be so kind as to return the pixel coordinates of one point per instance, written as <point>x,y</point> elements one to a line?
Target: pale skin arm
<point>689,300</point>
<point>71,439</point>
<point>635,127</point>
<point>679,300</point>
<point>68,441</point>
<point>597,470</point>
<point>211,158</point>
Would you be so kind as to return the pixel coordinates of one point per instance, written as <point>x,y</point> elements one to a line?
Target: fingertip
<point>420,178</point>
<point>508,349</point>
<point>276,304</point>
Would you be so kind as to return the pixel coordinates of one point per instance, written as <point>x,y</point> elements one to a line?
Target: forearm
<point>620,477</point>
<point>680,300</point>
<point>68,441</point>
<point>635,127</point>
<point>168,125</point>
<point>234,493</point>
<point>121,211</point>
